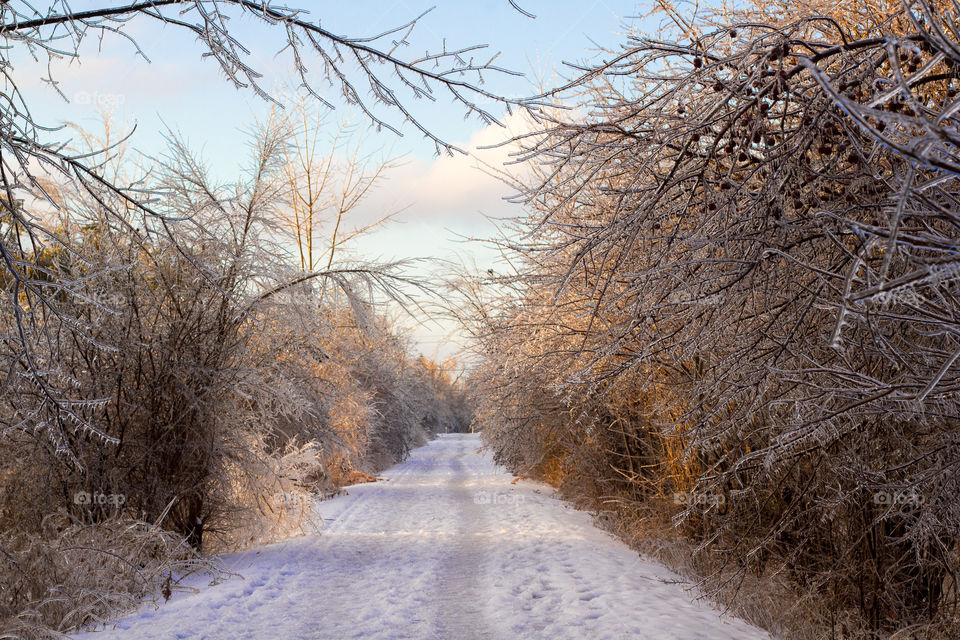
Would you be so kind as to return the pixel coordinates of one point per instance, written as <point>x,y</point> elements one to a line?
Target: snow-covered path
<point>447,547</point>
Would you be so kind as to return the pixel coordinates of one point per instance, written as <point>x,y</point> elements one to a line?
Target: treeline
<point>733,326</point>
<point>174,382</point>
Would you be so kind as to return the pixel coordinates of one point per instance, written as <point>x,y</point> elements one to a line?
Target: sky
<point>441,200</point>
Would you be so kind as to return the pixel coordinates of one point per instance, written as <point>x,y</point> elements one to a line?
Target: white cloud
<point>451,190</point>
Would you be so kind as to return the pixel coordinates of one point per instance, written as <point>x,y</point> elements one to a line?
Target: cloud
<point>451,190</point>
<point>453,182</point>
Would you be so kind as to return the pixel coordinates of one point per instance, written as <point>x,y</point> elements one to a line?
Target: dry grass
<point>770,601</point>
<point>76,575</point>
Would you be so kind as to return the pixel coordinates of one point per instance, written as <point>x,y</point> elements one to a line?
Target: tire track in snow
<point>458,601</point>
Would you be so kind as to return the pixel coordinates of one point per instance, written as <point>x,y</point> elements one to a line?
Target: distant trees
<point>738,284</point>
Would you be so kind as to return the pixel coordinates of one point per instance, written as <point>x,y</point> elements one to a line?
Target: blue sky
<point>444,198</point>
<point>183,91</point>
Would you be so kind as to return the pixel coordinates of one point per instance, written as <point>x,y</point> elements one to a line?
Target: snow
<point>446,547</point>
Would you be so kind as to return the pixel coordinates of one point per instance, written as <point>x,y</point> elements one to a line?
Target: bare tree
<point>371,73</point>
<point>739,276</point>
<point>232,392</point>
<point>326,186</point>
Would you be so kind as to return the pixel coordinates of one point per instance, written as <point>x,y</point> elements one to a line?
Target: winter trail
<point>445,547</point>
